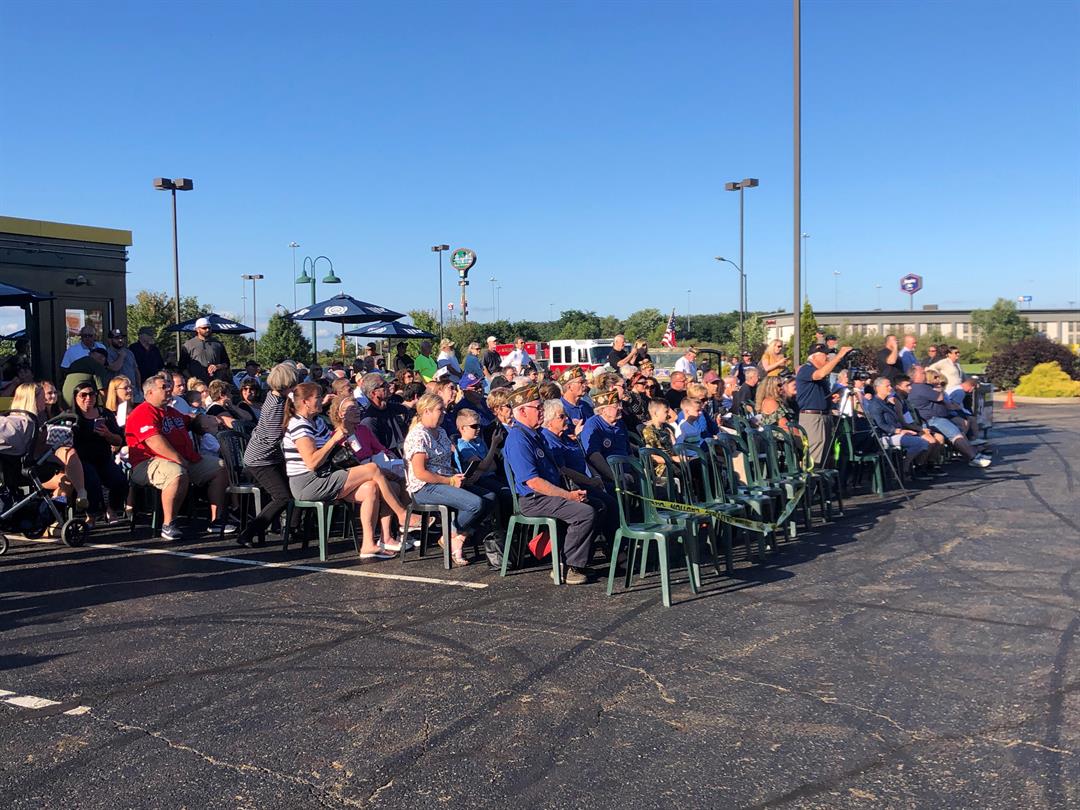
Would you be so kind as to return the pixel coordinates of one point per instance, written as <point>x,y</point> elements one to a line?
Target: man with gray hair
<point>386,419</point>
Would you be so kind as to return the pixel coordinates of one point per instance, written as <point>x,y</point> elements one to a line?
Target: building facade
<point>1061,325</point>
<point>85,268</point>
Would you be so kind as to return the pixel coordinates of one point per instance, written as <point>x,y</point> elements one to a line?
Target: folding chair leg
<point>614,561</point>
<point>665,574</point>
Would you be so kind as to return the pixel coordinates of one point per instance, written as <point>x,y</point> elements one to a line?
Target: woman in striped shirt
<point>308,446</point>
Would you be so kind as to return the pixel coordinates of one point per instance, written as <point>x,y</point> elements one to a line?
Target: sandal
<point>457,560</point>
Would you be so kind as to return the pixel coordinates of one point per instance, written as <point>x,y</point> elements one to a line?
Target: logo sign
<point>1024,299</point>
<point>911,283</point>
<point>336,309</point>
<point>462,260</point>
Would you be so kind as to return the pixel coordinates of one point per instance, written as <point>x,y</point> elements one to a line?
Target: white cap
<point>491,338</point>
<point>199,324</point>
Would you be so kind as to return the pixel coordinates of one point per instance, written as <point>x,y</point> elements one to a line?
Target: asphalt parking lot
<point>921,656</point>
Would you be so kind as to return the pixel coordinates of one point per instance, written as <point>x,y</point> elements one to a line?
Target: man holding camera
<point>812,397</point>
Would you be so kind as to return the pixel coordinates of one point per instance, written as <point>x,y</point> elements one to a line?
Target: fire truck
<point>559,355</point>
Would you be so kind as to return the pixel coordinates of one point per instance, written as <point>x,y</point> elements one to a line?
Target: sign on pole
<point>462,260</point>
<point>911,284</point>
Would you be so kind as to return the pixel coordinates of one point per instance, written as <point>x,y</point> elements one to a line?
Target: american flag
<point>669,334</point>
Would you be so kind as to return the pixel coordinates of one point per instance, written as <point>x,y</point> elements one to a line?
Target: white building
<point>1061,325</point>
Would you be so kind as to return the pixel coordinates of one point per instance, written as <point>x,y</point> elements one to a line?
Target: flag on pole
<point>669,334</point>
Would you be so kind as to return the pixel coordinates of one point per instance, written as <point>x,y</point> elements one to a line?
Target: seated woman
<point>97,439</point>
<point>250,391</point>
<point>345,415</point>
<point>120,398</point>
<point>774,396</point>
<point>221,406</point>
<point>53,407</point>
<point>431,478</point>
<point>198,394</point>
<point>64,476</point>
<point>308,446</point>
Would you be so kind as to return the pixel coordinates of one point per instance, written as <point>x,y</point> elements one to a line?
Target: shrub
<point>1008,365</point>
<point>1048,380</point>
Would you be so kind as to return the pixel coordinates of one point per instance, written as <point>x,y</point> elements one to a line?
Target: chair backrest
<point>787,455</point>
<point>699,470</point>
<point>509,480</point>
<point>232,453</point>
<point>673,478</point>
<point>718,453</point>
<point>631,488</point>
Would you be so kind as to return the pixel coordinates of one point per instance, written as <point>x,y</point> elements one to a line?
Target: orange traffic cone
<point>1010,403</point>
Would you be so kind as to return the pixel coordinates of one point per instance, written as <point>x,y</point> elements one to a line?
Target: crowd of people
<point>482,434</point>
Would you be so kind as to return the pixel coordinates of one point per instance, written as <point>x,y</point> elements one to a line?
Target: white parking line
<point>32,702</point>
<point>347,572</point>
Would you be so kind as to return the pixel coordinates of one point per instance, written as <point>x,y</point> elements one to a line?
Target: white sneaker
<point>979,461</point>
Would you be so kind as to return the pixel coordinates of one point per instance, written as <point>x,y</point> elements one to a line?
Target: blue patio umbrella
<point>390,330</point>
<point>217,323</point>
<point>345,309</point>
<point>14,296</point>
<point>16,335</point>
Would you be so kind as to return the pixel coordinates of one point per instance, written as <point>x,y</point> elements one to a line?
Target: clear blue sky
<point>580,149</point>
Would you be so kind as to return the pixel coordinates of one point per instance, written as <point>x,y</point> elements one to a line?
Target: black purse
<point>343,458</point>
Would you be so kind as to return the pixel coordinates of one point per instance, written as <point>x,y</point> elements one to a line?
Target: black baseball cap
<point>114,333</point>
<point>818,347</point>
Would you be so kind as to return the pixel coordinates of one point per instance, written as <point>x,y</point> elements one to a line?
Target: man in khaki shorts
<point>163,456</point>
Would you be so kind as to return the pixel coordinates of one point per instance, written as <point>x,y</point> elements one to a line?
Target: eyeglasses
<point>83,394</point>
<point>535,405</point>
<point>472,427</point>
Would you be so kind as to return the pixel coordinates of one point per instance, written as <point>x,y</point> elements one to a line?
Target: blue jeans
<point>945,427</point>
<point>472,503</point>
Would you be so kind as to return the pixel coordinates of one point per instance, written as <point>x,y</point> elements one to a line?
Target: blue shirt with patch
<point>566,452</point>
<point>527,456</point>
<point>608,440</point>
<point>583,411</point>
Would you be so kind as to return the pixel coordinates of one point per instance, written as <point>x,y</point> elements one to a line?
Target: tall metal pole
<point>176,273</point>
<point>440,295</point>
<point>294,245</point>
<point>255,324</point>
<point>796,299</point>
<point>805,267</point>
<point>688,311</point>
<point>742,279</point>
<point>494,310</point>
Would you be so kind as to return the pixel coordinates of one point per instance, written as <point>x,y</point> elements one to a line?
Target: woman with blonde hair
<point>63,476</point>
<point>773,396</point>
<point>431,479</point>
<point>773,362</point>
<point>120,398</point>
<point>364,445</point>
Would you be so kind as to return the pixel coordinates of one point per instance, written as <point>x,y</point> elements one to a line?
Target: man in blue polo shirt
<point>812,397</point>
<point>605,434</point>
<point>578,410</point>
<point>539,485</point>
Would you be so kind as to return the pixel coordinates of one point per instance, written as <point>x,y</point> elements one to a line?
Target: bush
<point>1008,365</point>
<point>1048,380</point>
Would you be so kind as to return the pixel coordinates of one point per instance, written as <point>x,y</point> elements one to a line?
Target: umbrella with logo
<point>391,330</point>
<point>345,309</point>
<point>217,323</point>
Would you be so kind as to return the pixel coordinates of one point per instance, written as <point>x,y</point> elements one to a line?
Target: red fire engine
<point>559,355</point>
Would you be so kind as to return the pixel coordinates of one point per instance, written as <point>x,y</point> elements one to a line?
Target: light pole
<point>294,246</point>
<point>878,288</point>
<point>253,277</point>
<point>688,312</point>
<point>551,312</point>
<point>806,268</point>
<point>498,300</point>
<point>836,290</point>
<point>739,186</point>
<point>179,184</point>
<point>494,309</point>
<point>742,309</point>
<point>439,249</point>
<point>304,278</point>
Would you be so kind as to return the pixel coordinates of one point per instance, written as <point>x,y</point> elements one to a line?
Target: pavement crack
<point>1032,744</point>
<point>510,628</point>
<point>326,797</point>
<point>660,688</point>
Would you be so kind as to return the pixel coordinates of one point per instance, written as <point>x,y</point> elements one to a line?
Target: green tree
<point>808,325</point>
<point>155,309</point>
<point>645,324</point>
<point>283,340</point>
<point>576,324</point>
<point>1000,325</point>
<point>610,326</point>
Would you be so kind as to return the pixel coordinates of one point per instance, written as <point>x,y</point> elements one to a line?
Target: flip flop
<point>376,556</point>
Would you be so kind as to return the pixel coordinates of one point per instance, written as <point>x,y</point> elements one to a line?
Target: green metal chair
<point>875,458</point>
<point>676,487</point>
<point>786,449</point>
<point>232,453</point>
<point>631,485</point>
<point>829,476</point>
<point>699,472</point>
<point>519,521</point>
<point>324,515</point>
<point>755,504</point>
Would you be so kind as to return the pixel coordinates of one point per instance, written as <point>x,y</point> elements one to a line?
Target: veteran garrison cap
<point>603,398</point>
<point>524,395</point>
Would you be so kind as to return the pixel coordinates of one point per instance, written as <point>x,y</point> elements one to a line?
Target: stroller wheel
<point>73,532</point>
<point>35,532</point>
<point>3,544</point>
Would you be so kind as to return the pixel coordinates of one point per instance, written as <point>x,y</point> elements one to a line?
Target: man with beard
<point>382,417</point>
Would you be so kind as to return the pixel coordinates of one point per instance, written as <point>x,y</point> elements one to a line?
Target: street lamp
<point>742,308</point>
<point>836,290</point>
<point>806,268</point>
<point>253,277</point>
<point>739,185</point>
<point>494,309</point>
<point>304,278</point>
<point>294,246</point>
<point>878,288</point>
<point>439,249</point>
<point>688,312</point>
<point>179,184</point>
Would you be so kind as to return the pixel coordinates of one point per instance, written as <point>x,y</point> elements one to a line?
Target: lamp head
<point>330,278</point>
<point>304,278</point>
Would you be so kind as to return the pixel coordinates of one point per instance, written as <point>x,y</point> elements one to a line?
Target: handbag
<point>343,458</point>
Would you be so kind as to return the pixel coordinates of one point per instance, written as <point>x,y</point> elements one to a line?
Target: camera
<point>855,364</point>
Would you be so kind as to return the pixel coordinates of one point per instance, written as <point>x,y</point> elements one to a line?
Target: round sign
<point>911,283</point>
<point>462,260</point>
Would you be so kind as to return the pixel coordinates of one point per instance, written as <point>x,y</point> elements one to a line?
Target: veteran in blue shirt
<point>539,484</point>
<point>605,434</point>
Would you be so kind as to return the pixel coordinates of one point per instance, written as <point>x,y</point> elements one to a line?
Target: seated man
<point>882,413</point>
<point>577,410</point>
<point>745,397</point>
<point>933,408</point>
<point>382,417</point>
<point>605,434</point>
<point>539,484</point>
<point>162,456</point>
<point>959,413</point>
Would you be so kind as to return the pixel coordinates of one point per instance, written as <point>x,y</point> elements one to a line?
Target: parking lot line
<point>348,572</point>
<point>31,702</point>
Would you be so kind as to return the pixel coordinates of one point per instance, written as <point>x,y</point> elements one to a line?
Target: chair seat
<point>445,515</point>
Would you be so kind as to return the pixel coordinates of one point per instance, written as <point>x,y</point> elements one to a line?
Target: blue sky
<point>580,148</point>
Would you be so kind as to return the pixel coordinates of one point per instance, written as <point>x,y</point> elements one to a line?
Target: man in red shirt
<point>163,456</point>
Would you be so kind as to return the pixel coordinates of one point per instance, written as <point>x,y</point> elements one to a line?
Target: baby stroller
<point>31,514</point>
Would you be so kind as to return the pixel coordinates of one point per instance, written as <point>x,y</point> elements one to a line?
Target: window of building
<point>76,319</point>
